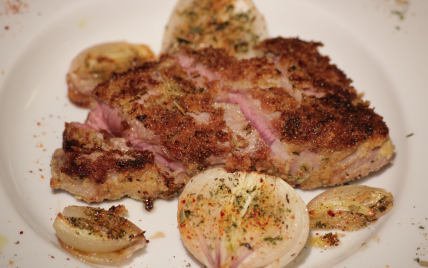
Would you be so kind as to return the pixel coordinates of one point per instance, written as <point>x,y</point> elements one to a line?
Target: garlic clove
<point>97,235</point>
<point>242,219</point>
<point>350,207</point>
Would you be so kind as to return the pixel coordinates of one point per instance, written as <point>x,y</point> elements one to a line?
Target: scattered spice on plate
<point>327,240</point>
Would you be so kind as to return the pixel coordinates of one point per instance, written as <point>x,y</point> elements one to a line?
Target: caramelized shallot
<point>349,207</point>
<point>97,235</point>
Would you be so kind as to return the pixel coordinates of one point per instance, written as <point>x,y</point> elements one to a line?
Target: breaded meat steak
<point>290,113</point>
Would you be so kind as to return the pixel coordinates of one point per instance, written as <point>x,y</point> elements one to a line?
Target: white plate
<point>384,55</point>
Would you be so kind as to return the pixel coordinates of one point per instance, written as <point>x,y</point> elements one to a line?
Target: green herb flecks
<point>272,239</point>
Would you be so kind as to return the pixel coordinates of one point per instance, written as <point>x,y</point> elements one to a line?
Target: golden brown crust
<point>110,161</point>
<point>337,120</point>
<point>330,122</point>
<point>166,111</point>
<point>331,116</point>
<point>78,143</point>
<point>306,66</point>
<point>96,166</point>
<point>246,73</point>
<point>238,161</point>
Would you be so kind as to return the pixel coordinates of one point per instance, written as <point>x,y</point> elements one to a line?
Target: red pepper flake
<point>330,213</point>
<point>184,201</point>
<point>221,213</point>
<point>42,177</point>
<point>38,123</point>
<point>261,180</point>
<point>52,257</point>
<point>6,27</point>
<point>10,262</point>
<point>68,259</point>
<point>331,239</point>
<point>21,232</point>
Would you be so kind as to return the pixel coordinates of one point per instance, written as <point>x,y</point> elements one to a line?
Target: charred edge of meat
<point>79,165</point>
<point>82,139</point>
<point>331,122</point>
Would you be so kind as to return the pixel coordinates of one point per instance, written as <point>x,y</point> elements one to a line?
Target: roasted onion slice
<point>350,207</point>
<point>234,25</point>
<point>97,235</point>
<point>242,219</point>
